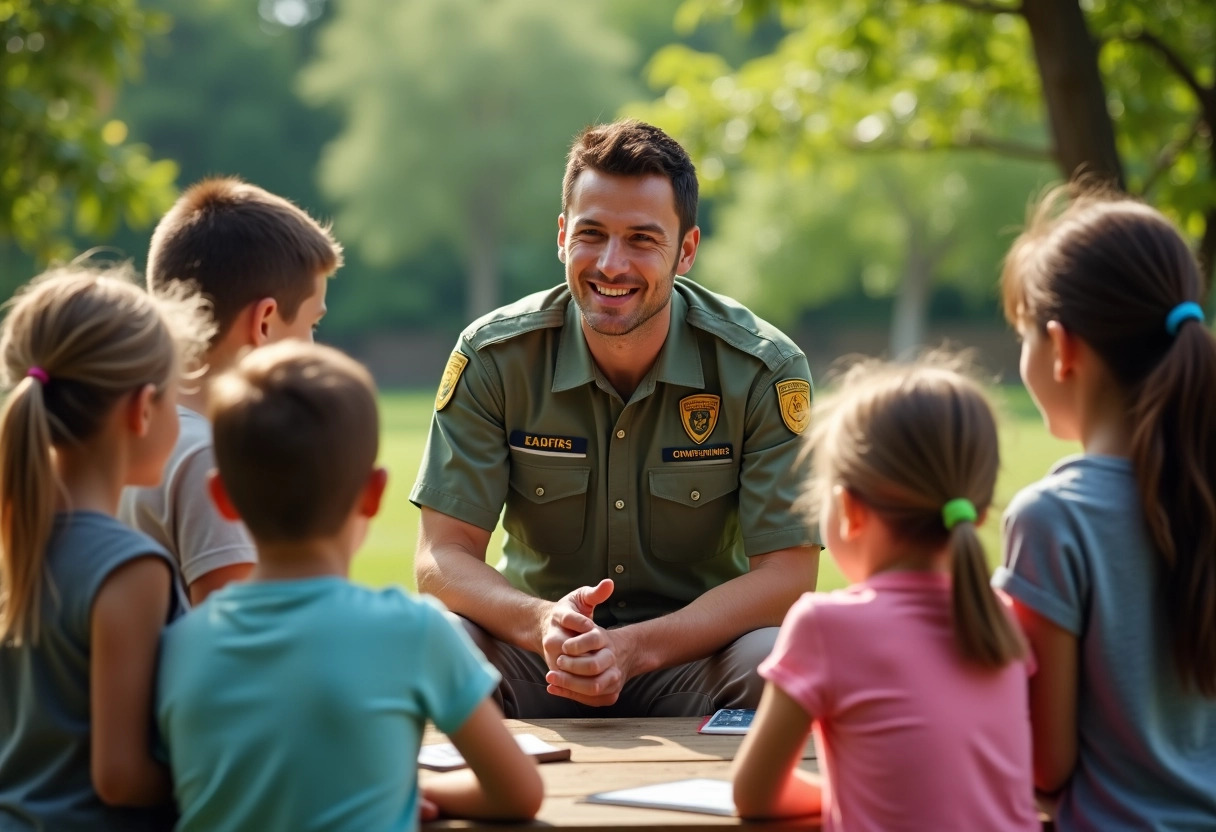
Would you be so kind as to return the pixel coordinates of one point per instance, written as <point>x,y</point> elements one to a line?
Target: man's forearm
<point>472,588</point>
<point>757,599</point>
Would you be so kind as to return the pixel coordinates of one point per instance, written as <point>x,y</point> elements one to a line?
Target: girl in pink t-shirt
<point>913,678</point>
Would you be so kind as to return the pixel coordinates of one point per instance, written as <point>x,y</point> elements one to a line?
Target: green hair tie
<point>960,510</point>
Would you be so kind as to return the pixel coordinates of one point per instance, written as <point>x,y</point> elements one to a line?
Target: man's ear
<point>373,492</point>
<point>219,497</point>
<point>1064,350</point>
<point>561,237</point>
<point>139,410</point>
<point>688,250</point>
<point>260,321</point>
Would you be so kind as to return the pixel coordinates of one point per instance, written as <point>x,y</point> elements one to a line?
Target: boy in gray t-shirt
<point>264,264</point>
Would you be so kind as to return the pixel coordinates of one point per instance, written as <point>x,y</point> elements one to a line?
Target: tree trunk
<point>912,300</point>
<point>482,286</point>
<point>1067,56</point>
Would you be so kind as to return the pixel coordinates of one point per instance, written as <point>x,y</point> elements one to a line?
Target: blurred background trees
<point>922,93</point>
<point>65,166</point>
<point>864,164</point>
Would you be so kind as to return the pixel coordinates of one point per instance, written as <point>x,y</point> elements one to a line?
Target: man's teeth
<point>612,293</point>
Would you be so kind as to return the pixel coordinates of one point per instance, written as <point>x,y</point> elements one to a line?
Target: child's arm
<point>502,782</point>
<point>768,782</point>
<point>1053,699</point>
<point>128,613</point>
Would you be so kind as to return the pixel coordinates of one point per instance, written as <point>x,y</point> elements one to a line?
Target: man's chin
<point>608,324</point>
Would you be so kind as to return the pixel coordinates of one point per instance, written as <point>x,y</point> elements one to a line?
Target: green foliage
<point>64,166</point>
<point>807,145</point>
<point>218,99</point>
<point>789,240</point>
<point>918,75</point>
<point>458,114</point>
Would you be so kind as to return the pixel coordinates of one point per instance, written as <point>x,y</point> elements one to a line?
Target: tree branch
<point>1167,157</point>
<point>973,141</point>
<point>1206,95</point>
<point>985,7</point>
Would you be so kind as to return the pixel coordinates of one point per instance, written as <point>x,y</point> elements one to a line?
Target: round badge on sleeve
<point>795,397</point>
<point>451,375</point>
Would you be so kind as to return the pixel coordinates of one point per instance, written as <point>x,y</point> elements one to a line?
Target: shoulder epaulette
<point>736,325</point>
<point>540,310</point>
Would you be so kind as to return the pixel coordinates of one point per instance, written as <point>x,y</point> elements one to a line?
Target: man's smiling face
<point>619,239</point>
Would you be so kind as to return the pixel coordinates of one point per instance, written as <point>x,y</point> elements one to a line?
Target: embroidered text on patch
<point>547,445</point>
<point>709,453</point>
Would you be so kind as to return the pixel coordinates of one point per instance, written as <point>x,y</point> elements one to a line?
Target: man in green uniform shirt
<point>642,435</point>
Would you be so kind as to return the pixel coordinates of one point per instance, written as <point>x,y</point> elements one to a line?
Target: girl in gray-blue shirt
<point>90,365</point>
<point>1111,559</point>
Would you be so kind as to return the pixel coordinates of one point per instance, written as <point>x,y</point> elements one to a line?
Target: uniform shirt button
<point>620,603</point>
<point>696,495</point>
<point>619,504</point>
<point>540,492</point>
<point>620,434</point>
<point>619,568</point>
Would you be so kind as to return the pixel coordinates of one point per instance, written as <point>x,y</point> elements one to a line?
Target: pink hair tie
<point>38,373</point>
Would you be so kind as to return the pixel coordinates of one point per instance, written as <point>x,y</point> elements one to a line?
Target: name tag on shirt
<point>722,452</point>
<point>546,445</point>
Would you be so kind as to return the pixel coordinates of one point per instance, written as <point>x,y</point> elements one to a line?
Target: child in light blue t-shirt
<point>1111,559</point>
<point>297,700</point>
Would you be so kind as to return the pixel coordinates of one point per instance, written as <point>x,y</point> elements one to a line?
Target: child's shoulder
<point>835,608</point>
<point>106,541</point>
<point>1075,484</point>
<point>389,606</point>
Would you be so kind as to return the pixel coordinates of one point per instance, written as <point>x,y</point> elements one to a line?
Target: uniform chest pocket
<point>547,507</point>
<point>689,510</point>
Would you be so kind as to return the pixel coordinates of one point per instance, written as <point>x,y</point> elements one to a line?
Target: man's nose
<point>613,259</point>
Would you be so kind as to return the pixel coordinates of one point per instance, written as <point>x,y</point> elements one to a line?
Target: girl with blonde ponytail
<point>1111,558</point>
<point>90,363</point>
<point>913,678</point>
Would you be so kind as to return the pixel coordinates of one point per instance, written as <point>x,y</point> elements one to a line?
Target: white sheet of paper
<point>704,795</point>
<point>445,756</point>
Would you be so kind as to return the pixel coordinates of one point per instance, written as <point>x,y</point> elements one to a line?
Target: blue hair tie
<point>1182,313</point>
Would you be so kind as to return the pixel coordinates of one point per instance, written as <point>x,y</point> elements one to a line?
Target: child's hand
<point>427,809</point>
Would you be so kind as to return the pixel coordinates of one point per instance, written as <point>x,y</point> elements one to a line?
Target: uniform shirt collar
<point>679,361</point>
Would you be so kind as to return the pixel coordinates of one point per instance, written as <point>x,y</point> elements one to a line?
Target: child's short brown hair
<point>296,437</point>
<point>239,243</point>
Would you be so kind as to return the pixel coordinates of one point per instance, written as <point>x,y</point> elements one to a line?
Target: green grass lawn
<point>388,556</point>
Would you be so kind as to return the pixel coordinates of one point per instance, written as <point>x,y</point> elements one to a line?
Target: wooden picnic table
<point>609,754</point>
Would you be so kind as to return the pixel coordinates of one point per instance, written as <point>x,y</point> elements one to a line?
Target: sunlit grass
<point>1027,451</point>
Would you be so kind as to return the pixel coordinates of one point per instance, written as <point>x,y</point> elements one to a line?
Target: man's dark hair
<point>634,148</point>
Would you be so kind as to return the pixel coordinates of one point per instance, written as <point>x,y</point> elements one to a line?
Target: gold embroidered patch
<point>795,397</point>
<point>451,375</point>
<point>699,414</point>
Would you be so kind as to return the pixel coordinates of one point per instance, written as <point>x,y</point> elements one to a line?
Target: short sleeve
<point>205,541</point>
<point>798,664</point>
<point>1044,566</point>
<point>454,676</point>
<point>464,471</point>
<point>771,477</point>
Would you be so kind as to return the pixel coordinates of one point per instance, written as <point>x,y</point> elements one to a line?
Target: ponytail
<point>27,507</point>
<point>74,342</point>
<point>1173,450</point>
<point>983,631</point>
<point>917,443</point>
<point>1121,277</point>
